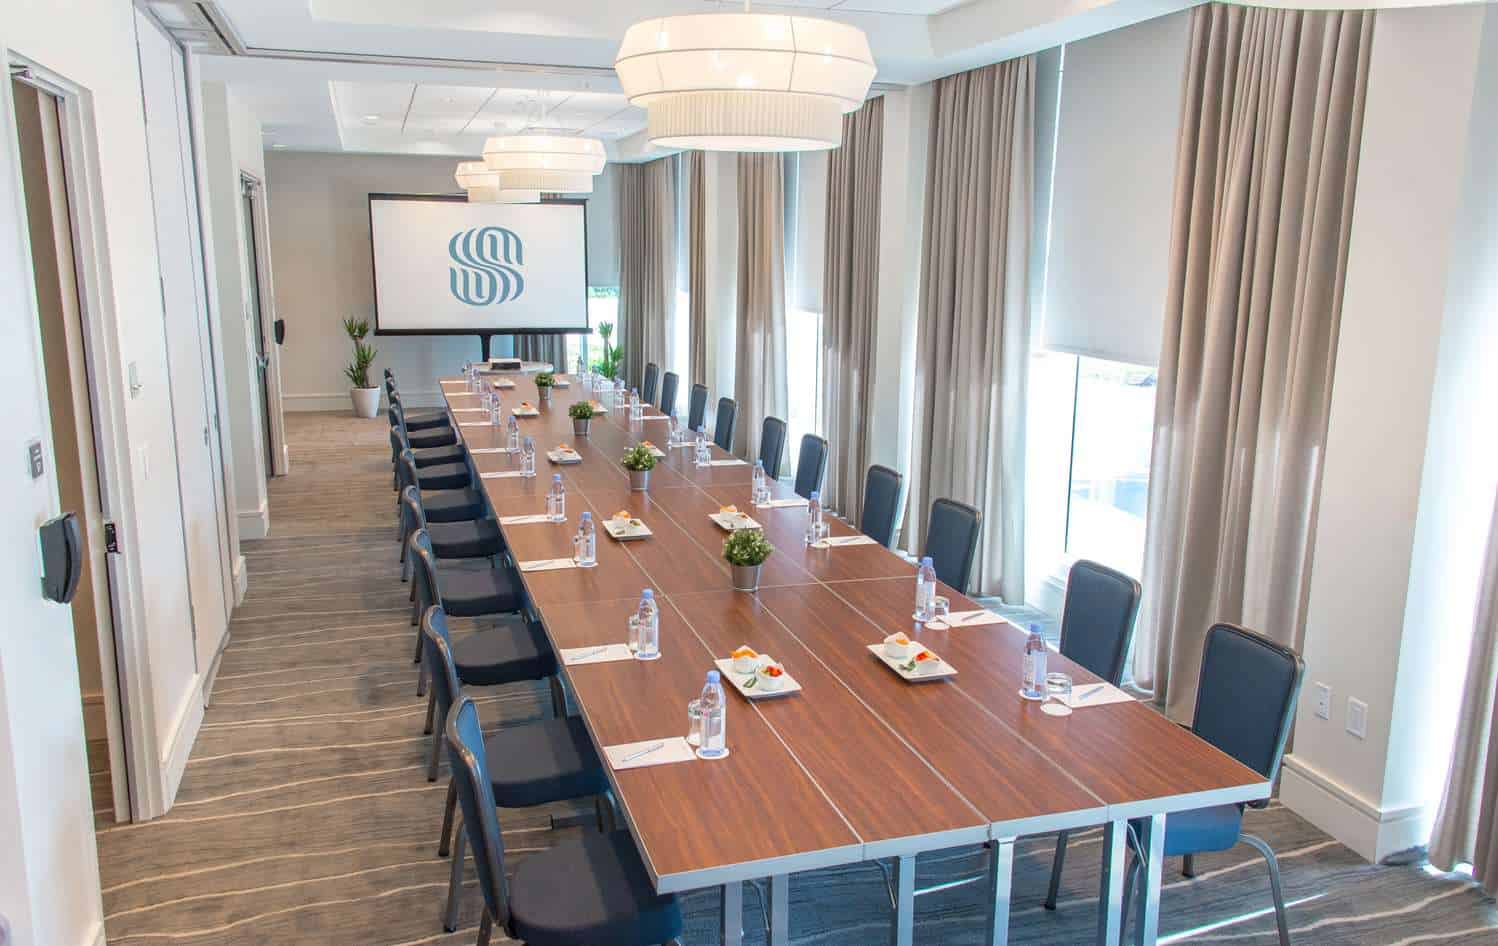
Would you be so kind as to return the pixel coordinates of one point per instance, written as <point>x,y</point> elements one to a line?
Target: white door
<point>189,352</point>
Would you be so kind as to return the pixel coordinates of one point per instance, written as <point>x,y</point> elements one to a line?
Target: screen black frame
<point>585,329</point>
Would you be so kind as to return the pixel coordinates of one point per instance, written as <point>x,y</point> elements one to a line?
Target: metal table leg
<point>1148,921</point>
<point>780,910</point>
<point>903,931</point>
<point>1110,919</point>
<point>733,914</point>
<point>1000,881</point>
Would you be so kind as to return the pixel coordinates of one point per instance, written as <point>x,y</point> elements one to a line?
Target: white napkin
<point>1097,694</point>
<point>505,385</point>
<point>595,655</point>
<point>840,540</point>
<point>470,410</point>
<point>733,462</point>
<point>475,423</point>
<point>523,412</point>
<point>499,474</point>
<point>522,520</point>
<point>653,417</point>
<point>460,382</point>
<point>966,619</point>
<point>683,445</point>
<point>784,503</point>
<point>547,564</point>
<point>634,755</point>
<point>487,449</point>
<point>560,383</point>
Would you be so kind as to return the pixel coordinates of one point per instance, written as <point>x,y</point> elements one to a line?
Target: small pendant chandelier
<point>483,186</point>
<point>557,164</point>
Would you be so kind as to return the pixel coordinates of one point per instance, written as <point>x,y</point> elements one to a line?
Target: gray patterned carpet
<point>305,818</point>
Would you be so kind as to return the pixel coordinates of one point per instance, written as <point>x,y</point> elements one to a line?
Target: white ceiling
<point>438,76</point>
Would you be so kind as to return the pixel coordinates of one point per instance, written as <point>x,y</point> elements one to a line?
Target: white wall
<point>1363,627</point>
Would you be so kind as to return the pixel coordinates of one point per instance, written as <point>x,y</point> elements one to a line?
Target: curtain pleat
<point>548,347</point>
<point>759,357</point>
<point>1271,122</point>
<point>647,264</point>
<point>973,337</point>
<point>697,272</point>
<point>850,304</point>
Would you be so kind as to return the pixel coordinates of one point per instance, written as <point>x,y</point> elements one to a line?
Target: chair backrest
<point>697,407</point>
<point>669,382</point>
<point>650,383</point>
<point>952,541</point>
<point>882,489</point>
<point>424,570</point>
<point>437,648</point>
<point>413,516</point>
<point>1097,620</point>
<point>728,418</point>
<point>1246,696</point>
<point>772,446</point>
<point>405,468</point>
<point>465,752</point>
<point>811,465</point>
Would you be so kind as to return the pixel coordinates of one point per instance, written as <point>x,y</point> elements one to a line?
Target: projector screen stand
<point>485,339</point>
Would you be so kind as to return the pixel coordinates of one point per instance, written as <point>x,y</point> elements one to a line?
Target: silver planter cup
<point>580,426</point>
<point>544,392</point>
<point>746,577</point>
<point>639,480</point>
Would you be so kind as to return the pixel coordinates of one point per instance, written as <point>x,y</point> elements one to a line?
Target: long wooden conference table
<point>859,765</point>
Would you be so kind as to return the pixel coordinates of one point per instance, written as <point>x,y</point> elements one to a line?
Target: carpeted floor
<point>305,817</point>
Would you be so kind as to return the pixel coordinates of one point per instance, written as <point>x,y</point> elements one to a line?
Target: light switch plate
<point>1323,701</point>
<point>1357,718</point>
<point>34,460</point>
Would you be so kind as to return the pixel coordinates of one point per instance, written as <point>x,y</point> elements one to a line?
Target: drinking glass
<point>1057,694</point>
<point>634,633</point>
<point>694,723</point>
<point>940,608</point>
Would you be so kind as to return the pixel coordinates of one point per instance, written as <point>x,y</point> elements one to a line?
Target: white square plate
<point>741,682</point>
<point>626,530</point>
<point>557,456</point>
<point>733,522</point>
<point>938,672</point>
<point>524,412</point>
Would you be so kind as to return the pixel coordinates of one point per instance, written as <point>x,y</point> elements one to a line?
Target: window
<point>805,255</point>
<point>603,306</point>
<point>803,374</point>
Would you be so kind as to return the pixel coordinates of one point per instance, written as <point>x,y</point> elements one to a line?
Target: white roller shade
<point>806,236</point>
<point>1114,175</point>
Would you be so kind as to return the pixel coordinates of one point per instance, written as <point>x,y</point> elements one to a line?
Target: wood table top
<point>858,764</point>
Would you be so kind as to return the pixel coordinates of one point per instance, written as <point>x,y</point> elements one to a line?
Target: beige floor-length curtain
<point>647,263</point>
<point>973,337</point>
<point>543,347</point>
<point>1271,121</point>
<point>850,304</point>
<point>1466,829</point>
<point>697,269</point>
<point>759,357</point>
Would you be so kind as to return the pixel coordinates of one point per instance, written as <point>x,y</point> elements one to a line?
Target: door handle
<point>263,361</point>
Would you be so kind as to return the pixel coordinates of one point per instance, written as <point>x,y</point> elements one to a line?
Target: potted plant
<point>639,461</point>
<point>613,357</point>
<point>582,414</point>
<point>366,397</point>
<point>746,551</point>
<point>545,380</point>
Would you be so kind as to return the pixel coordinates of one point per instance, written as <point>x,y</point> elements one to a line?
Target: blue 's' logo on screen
<point>487,263</point>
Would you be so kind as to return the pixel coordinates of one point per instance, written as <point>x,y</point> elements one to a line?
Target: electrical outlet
<point>1357,718</point>
<point>1323,701</point>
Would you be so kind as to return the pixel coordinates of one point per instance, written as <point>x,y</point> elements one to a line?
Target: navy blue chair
<point>883,490</point>
<point>697,407</point>
<point>952,541</point>
<point>456,505</point>
<point>450,453</point>
<point>1097,626</point>
<point>669,383</point>
<point>811,465</point>
<point>442,476</point>
<point>424,438</point>
<point>650,383</point>
<point>429,419</point>
<point>476,538</point>
<point>772,446</point>
<point>727,420</point>
<point>595,890</point>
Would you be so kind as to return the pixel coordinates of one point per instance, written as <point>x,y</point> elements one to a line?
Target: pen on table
<point>1087,694</point>
<point>591,653</point>
<point>645,751</point>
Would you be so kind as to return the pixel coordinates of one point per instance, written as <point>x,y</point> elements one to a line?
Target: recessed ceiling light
<point>278,146</point>
<point>371,119</point>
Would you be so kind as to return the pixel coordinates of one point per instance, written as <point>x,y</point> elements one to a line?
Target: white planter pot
<point>366,401</point>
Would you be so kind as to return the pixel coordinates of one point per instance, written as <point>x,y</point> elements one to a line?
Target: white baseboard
<point>179,747</point>
<point>254,523</point>
<point>339,401</point>
<point>1373,832</point>
<point>241,580</point>
<point>94,937</point>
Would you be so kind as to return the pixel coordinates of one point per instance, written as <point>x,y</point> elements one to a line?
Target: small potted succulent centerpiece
<point>545,380</point>
<point>746,551</point>
<point>366,396</point>
<point>582,414</point>
<point>639,461</point>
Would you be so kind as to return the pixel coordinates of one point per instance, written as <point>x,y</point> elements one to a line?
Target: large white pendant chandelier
<point>745,81</point>
<point>483,186</point>
<point>558,164</point>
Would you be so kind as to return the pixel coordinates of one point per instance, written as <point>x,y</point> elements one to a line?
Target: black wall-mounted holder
<point>62,557</point>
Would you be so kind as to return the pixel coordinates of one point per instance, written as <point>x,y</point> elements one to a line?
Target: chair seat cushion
<point>447,476</point>
<point>1199,831</point>
<point>512,653</point>
<point>440,456</point>
<point>469,593</point>
<point>436,437</point>
<point>457,505</point>
<point>425,420</point>
<point>478,538</point>
<point>592,891</point>
<point>538,763</point>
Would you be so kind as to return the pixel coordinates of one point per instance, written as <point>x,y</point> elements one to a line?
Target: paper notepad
<point>966,619</point>
<point>488,449</point>
<point>499,474</point>
<point>596,655</point>
<point>834,542</point>
<point>1097,694</point>
<point>475,423</point>
<point>634,755</point>
<point>783,503</point>
<point>733,462</point>
<point>547,564</point>
<point>523,520</point>
<point>470,410</point>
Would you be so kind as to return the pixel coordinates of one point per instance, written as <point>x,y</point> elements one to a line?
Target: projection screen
<point>444,266</point>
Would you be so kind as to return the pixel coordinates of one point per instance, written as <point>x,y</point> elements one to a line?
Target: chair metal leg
<point>455,884</point>
<point>1274,884</point>
<point>431,714</point>
<point>558,698</point>
<point>449,813</point>
<point>434,755</point>
<point>1056,864</point>
<point>1135,866</point>
<point>1188,866</point>
<point>486,929</point>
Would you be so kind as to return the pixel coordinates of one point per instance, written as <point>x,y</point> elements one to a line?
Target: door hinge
<point>111,539</point>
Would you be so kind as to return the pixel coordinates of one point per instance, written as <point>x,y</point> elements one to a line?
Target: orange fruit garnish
<point>744,652</point>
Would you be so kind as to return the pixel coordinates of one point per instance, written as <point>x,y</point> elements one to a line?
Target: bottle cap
<point>556,477</point>
<point>713,676</point>
<point>817,495</point>
<point>647,593</point>
<point>588,516</point>
<point>925,560</point>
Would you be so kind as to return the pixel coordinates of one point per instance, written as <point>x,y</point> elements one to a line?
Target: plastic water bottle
<point>512,438</point>
<point>582,368</point>
<point>587,542</point>
<point>528,457</point>
<point>649,620</point>
<point>556,500</point>
<point>495,409</point>
<point>760,490</point>
<point>925,591</point>
<point>636,407</point>
<point>714,723</point>
<point>474,384</point>
<point>704,456</point>
<point>814,522</point>
<point>1035,654</point>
